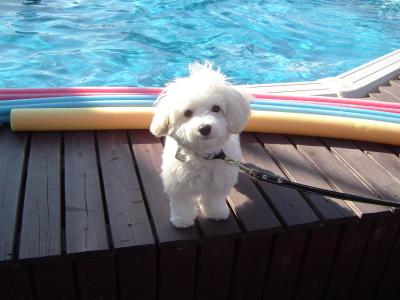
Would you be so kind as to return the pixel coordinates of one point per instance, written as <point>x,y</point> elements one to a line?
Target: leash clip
<point>272,179</point>
<point>252,173</point>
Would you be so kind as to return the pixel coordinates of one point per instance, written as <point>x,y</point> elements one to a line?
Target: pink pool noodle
<point>328,100</point>
<point>54,92</point>
<point>92,91</point>
<point>342,102</point>
<point>392,110</point>
<point>33,96</point>
<point>69,90</point>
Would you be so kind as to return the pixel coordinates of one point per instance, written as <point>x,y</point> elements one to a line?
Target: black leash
<point>264,176</point>
<point>267,177</point>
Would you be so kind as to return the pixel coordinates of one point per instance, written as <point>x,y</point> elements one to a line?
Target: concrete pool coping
<point>356,83</point>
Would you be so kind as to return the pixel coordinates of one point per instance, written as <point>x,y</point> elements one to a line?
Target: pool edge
<point>355,83</point>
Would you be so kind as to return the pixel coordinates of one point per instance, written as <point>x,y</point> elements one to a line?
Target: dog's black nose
<point>205,129</point>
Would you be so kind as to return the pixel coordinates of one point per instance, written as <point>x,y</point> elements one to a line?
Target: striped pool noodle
<point>132,101</point>
<point>6,106</point>
<point>69,90</point>
<point>353,115</point>
<point>375,108</point>
<point>277,108</point>
<point>324,107</point>
<point>18,102</point>
<point>156,91</point>
<point>153,97</point>
<point>4,97</point>
<point>328,100</point>
<point>5,110</point>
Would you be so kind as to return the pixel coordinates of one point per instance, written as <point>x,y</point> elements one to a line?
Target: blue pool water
<point>147,43</point>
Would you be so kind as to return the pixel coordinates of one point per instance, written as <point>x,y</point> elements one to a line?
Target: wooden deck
<point>83,216</point>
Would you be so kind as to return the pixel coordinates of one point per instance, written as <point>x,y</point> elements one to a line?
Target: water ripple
<point>147,43</point>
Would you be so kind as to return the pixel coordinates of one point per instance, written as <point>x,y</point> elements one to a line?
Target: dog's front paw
<point>180,222</point>
<point>219,213</point>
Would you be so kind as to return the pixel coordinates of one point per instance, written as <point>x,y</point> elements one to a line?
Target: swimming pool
<point>146,43</point>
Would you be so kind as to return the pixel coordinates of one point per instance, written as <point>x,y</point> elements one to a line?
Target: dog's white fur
<point>197,181</point>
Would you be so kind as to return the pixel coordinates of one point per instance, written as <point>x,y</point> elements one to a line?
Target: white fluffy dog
<point>200,115</point>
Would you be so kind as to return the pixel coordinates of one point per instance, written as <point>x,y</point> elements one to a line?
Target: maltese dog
<point>201,116</point>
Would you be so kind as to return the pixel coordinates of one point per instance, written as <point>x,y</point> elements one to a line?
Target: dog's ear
<point>160,123</point>
<point>237,108</point>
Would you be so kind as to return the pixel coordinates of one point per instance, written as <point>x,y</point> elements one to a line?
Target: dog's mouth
<point>209,138</point>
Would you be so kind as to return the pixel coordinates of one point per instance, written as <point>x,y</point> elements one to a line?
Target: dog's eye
<point>216,108</point>
<point>188,113</point>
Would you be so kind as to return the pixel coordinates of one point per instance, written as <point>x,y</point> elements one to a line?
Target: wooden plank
<point>378,250</point>
<point>296,168</point>
<point>54,281</point>
<point>216,257</point>
<point>288,204</point>
<point>84,215</point>
<point>391,90</point>
<point>338,176</point>
<point>215,264</point>
<point>251,209</point>
<point>250,267</point>
<point>147,150</point>
<point>15,284</point>
<point>96,277</point>
<point>383,97</point>
<point>376,178</point>
<point>12,158</point>
<point>256,217</point>
<point>290,161</point>
<point>395,83</point>
<point>389,286</point>
<point>258,221</point>
<point>347,260</point>
<point>215,230</point>
<point>177,266</point>
<point>288,248</point>
<point>382,233</point>
<point>317,261</point>
<point>383,156</point>
<point>129,222</point>
<point>332,212</point>
<point>178,248</point>
<point>41,219</point>
<point>136,274</point>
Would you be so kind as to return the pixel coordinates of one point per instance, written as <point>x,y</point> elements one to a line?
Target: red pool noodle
<point>328,100</point>
<point>33,96</point>
<point>73,90</point>
<point>53,92</point>
<point>392,110</point>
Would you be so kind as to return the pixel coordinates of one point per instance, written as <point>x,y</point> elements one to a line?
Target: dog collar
<point>179,155</point>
